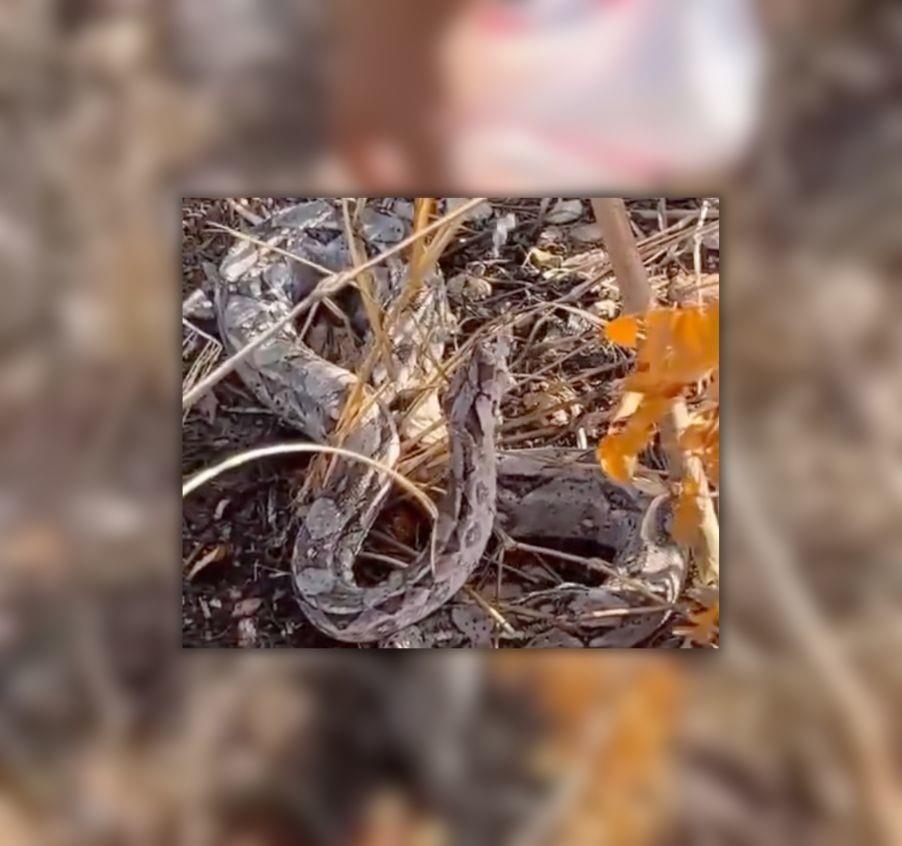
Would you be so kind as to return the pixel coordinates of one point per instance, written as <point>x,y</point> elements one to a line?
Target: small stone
<point>565,211</point>
<point>465,286</point>
<point>247,633</point>
<point>586,233</point>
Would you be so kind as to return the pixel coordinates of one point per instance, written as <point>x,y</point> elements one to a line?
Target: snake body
<point>257,287</point>
<point>328,593</point>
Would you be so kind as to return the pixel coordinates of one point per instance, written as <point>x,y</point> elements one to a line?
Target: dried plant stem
<point>610,212</point>
<point>637,298</point>
<point>233,461</point>
<point>591,563</point>
<point>423,259</point>
<point>367,288</point>
<point>691,468</point>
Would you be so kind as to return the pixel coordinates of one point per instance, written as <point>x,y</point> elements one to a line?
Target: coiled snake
<point>256,287</point>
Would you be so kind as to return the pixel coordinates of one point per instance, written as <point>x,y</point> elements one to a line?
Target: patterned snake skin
<point>255,288</point>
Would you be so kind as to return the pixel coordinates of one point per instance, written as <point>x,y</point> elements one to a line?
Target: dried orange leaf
<point>623,331</point>
<point>629,404</point>
<point>703,625</point>
<point>680,348</point>
<point>615,460</point>
<point>619,450</point>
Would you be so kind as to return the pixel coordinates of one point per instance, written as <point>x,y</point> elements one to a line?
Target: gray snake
<point>255,287</point>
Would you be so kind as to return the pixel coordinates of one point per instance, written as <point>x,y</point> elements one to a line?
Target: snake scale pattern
<point>527,493</point>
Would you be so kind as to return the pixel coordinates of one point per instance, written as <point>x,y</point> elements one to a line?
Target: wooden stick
<point>610,212</point>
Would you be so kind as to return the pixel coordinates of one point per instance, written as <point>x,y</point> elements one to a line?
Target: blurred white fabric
<point>614,93</point>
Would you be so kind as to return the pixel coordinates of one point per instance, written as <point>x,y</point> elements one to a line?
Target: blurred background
<point>113,109</point>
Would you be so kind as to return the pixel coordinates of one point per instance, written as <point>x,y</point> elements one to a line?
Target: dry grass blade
<point>356,405</point>
<point>326,287</point>
<point>591,563</point>
<point>367,288</point>
<point>490,609</point>
<point>202,477</point>
<point>422,262</point>
<point>203,362</point>
<point>423,208</point>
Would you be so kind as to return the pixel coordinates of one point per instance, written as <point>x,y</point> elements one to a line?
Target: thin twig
<point>201,478</point>
<point>612,217</point>
<point>326,287</point>
<point>493,612</point>
<point>258,242</point>
<point>591,563</point>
